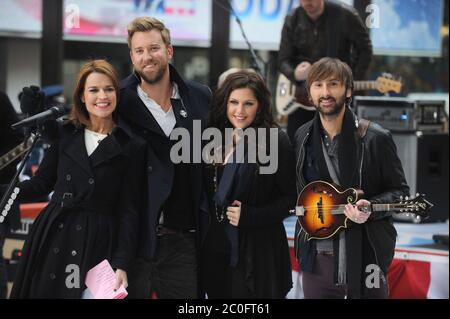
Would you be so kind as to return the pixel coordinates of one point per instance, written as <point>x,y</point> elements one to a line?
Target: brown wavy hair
<point>330,67</point>
<point>79,114</point>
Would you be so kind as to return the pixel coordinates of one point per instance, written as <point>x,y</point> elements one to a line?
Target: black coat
<point>91,216</point>
<point>380,175</point>
<point>339,32</point>
<point>263,246</point>
<point>160,169</point>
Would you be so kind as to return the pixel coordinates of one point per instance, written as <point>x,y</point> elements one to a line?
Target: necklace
<point>220,214</point>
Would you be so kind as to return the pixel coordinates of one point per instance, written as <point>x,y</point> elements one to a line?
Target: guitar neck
<point>365,85</point>
<point>339,209</point>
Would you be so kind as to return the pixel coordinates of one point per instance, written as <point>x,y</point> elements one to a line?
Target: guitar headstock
<point>416,205</point>
<point>386,83</point>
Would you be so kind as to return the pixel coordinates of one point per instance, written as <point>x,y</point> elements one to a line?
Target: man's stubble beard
<point>339,105</point>
<point>155,79</point>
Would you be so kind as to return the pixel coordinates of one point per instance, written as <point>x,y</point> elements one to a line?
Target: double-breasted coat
<point>92,214</point>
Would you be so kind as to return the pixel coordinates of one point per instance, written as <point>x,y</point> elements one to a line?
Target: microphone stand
<point>256,60</point>
<point>12,185</point>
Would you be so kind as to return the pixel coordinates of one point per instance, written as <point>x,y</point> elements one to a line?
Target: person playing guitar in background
<point>316,29</point>
<point>336,147</point>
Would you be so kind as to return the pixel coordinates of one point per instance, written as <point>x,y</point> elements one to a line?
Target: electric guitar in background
<point>320,208</point>
<point>16,152</point>
<point>290,96</point>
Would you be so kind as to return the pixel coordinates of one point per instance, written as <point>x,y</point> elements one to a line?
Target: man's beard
<point>155,78</point>
<point>335,110</point>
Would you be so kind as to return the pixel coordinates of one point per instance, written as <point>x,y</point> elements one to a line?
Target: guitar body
<point>320,208</point>
<point>290,97</point>
<point>317,201</point>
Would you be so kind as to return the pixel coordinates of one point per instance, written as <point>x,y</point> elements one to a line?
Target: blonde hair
<point>144,24</point>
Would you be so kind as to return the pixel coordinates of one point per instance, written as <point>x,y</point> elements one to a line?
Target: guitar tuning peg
<point>401,197</point>
<point>406,197</point>
<point>417,194</point>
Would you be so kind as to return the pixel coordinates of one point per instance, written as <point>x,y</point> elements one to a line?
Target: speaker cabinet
<point>425,162</point>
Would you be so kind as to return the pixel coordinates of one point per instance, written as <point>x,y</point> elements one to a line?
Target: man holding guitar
<point>316,29</point>
<point>338,149</point>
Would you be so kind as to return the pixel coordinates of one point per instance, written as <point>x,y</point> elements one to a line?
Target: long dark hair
<point>239,80</point>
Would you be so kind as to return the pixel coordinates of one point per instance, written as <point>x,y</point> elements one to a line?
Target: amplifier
<point>402,114</point>
<point>393,113</point>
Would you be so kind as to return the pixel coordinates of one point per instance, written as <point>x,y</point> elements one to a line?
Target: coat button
<point>56,250</point>
<point>149,169</point>
<point>74,252</point>
<point>68,177</point>
<point>91,181</point>
<point>52,276</point>
<point>61,226</point>
<point>78,227</point>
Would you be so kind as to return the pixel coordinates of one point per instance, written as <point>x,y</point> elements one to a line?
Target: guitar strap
<point>363,126</point>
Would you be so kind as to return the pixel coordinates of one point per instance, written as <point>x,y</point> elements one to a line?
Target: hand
<point>354,214</point>
<point>302,70</point>
<point>121,279</point>
<point>234,212</point>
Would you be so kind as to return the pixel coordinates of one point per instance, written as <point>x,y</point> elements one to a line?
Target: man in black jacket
<point>331,148</point>
<point>317,29</point>
<point>155,100</point>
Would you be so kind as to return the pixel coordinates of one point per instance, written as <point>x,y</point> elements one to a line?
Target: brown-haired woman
<point>94,169</point>
<point>245,252</point>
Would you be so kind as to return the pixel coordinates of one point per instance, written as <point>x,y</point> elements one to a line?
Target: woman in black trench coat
<point>94,168</point>
<point>245,253</point>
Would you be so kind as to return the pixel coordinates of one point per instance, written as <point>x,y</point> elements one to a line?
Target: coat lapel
<point>134,109</point>
<point>76,149</point>
<point>106,150</point>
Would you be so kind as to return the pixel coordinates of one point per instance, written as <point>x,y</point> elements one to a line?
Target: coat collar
<point>76,149</point>
<point>109,148</point>
<point>134,110</point>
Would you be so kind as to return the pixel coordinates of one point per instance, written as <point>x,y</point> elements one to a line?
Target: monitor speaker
<point>425,163</point>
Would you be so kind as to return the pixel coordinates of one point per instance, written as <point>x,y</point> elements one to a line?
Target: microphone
<point>50,114</point>
<point>32,100</point>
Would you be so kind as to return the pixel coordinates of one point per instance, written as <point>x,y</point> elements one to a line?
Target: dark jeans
<point>319,284</point>
<point>171,274</point>
<point>220,280</point>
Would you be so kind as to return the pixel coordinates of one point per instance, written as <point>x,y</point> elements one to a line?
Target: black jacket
<point>160,169</point>
<point>263,251</point>
<point>381,177</point>
<point>92,214</point>
<point>339,33</point>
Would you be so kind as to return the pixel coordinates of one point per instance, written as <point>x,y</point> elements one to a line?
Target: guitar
<point>320,208</point>
<point>16,152</point>
<point>290,97</point>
